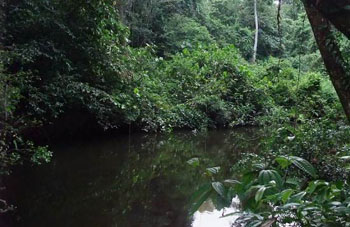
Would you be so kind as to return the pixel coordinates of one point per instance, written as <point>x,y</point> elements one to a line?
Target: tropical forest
<point>174,113</point>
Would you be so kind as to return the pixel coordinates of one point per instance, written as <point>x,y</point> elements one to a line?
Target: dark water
<point>138,180</point>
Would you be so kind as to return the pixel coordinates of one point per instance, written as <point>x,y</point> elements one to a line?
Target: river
<point>138,180</point>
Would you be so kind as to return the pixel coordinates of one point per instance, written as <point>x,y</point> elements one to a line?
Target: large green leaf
<point>199,197</point>
<point>285,195</point>
<point>219,188</point>
<point>266,176</point>
<point>283,162</point>
<point>293,182</point>
<point>259,194</point>
<point>315,184</point>
<point>304,165</point>
<point>297,197</point>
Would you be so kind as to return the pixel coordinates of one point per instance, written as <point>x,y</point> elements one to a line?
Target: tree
<point>181,31</point>
<point>268,37</point>
<point>322,15</point>
<point>256,31</point>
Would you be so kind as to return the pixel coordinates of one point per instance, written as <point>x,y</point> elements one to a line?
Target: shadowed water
<point>139,180</point>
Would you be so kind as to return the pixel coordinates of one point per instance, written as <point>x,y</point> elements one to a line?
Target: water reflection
<point>209,216</point>
<point>143,181</point>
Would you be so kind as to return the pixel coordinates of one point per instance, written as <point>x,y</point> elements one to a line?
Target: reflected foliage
<point>149,183</point>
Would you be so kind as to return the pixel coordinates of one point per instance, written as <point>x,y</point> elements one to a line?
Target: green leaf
<point>315,184</point>
<point>219,188</point>
<point>199,197</point>
<point>345,210</point>
<point>304,165</point>
<point>15,143</point>
<point>193,162</point>
<point>285,195</point>
<point>213,170</point>
<point>259,166</point>
<point>293,181</point>
<point>233,182</point>
<point>254,223</point>
<point>201,190</point>
<point>323,194</point>
<point>290,205</point>
<point>335,203</point>
<point>266,176</point>
<point>297,197</point>
<point>311,208</point>
<point>137,92</point>
<point>268,223</point>
<point>259,194</point>
<point>283,162</point>
<point>345,157</point>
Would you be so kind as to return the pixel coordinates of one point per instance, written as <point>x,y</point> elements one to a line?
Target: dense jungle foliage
<point>69,67</point>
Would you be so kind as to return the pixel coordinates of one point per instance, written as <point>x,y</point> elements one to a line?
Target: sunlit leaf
<point>290,206</point>
<point>283,162</point>
<point>213,170</point>
<point>345,157</point>
<point>259,194</point>
<point>219,188</point>
<point>193,162</point>
<point>233,182</point>
<point>285,195</point>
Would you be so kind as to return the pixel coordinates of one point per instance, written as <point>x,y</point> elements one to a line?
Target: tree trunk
<point>256,31</point>
<point>336,11</point>
<point>331,54</point>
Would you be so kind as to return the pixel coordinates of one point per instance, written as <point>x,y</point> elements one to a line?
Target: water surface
<point>141,180</point>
